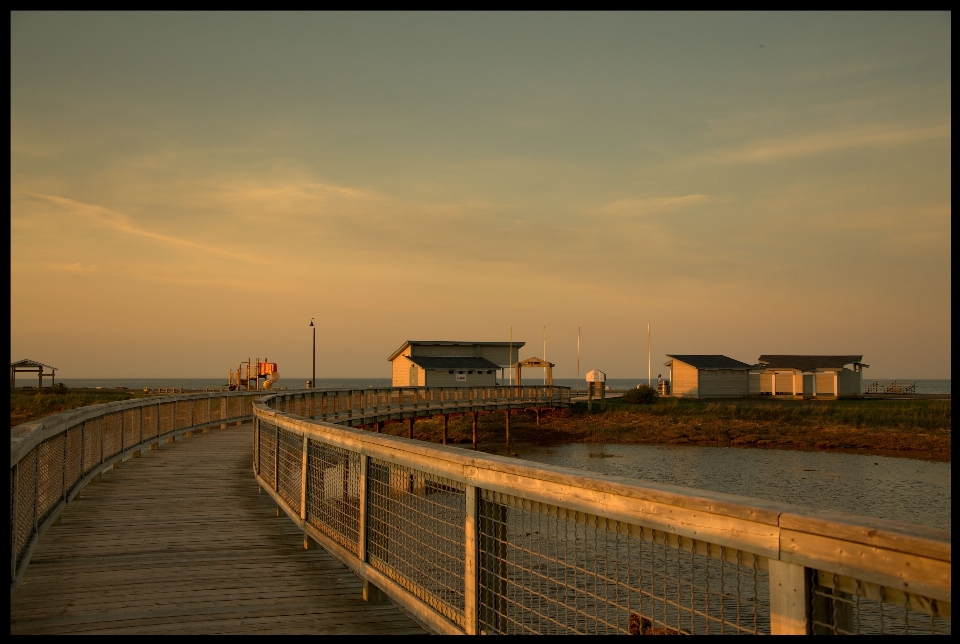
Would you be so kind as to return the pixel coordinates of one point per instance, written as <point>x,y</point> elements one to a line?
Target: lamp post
<point>313,383</point>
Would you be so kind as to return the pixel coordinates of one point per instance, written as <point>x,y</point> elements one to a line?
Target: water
<point>900,489</point>
<point>927,386</point>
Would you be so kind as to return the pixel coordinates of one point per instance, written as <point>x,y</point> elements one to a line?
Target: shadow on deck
<point>180,541</point>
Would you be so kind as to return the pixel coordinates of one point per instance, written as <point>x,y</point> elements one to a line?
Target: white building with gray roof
<point>440,363</point>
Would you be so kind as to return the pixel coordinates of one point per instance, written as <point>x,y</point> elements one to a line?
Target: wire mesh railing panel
<point>215,412</point>
<point>131,427</point>
<point>92,443</point>
<point>234,407</point>
<point>266,451</point>
<point>333,493</point>
<point>247,405</point>
<point>74,464</point>
<point>26,501</point>
<point>112,434</point>
<point>545,569</point>
<point>150,421</point>
<point>290,462</point>
<point>416,534</point>
<point>201,411</point>
<point>845,606</point>
<point>50,475</point>
<point>166,417</point>
<point>184,413</point>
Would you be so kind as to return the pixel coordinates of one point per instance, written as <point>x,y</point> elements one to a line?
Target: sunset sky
<point>188,190</point>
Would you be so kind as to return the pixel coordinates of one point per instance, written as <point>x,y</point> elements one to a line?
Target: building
<point>811,376</point>
<point>430,363</point>
<point>710,376</point>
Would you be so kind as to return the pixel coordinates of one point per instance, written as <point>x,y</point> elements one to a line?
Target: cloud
<point>807,145</point>
<point>76,267</point>
<point>643,207</point>
<point>122,223</point>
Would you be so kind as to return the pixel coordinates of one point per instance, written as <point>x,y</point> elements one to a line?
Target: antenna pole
<point>648,355</point>
<point>578,354</point>
<point>544,354</point>
<point>511,356</point>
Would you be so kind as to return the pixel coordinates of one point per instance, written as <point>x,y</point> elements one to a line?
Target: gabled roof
<point>31,363</point>
<point>807,363</point>
<point>448,343</point>
<point>711,361</point>
<point>452,362</point>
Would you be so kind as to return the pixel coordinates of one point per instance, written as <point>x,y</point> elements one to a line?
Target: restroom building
<point>811,376</point>
<point>440,363</point>
<point>710,376</point>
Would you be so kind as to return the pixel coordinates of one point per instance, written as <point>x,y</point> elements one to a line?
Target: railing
<point>477,543</point>
<point>51,460</point>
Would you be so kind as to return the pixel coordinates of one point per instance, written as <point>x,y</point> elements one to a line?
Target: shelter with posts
<point>811,376</point>
<point>440,363</point>
<point>710,376</point>
<point>535,363</point>
<point>32,366</point>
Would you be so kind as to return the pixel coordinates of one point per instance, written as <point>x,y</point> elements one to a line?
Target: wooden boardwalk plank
<point>180,541</point>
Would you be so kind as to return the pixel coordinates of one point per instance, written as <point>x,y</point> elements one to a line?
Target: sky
<point>188,190</point>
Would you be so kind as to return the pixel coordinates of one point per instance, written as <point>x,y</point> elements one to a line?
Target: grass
<point>914,427</point>
<point>29,405</point>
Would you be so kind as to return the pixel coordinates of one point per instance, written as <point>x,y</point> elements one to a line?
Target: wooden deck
<point>180,541</point>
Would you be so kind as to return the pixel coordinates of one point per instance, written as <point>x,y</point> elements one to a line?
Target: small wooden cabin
<point>708,376</point>
<point>437,363</point>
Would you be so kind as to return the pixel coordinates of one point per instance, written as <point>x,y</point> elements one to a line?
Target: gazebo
<point>535,363</point>
<point>32,366</point>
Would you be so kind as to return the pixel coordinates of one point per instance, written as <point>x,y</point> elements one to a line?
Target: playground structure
<point>255,371</point>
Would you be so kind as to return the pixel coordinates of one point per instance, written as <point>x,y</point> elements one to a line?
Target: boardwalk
<point>180,541</point>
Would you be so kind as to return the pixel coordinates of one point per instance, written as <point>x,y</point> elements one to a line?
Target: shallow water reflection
<point>900,489</point>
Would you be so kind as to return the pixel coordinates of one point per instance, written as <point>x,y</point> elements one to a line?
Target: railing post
<point>13,523</point>
<point>362,545</point>
<point>789,593</point>
<point>303,481</point>
<point>471,572</point>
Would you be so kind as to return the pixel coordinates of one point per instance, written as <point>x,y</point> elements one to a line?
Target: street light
<point>313,383</point>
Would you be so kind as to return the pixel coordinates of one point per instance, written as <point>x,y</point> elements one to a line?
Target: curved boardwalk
<point>180,541</point>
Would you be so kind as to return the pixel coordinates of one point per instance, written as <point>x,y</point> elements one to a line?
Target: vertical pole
<point>511,356</point>
<point>589,396</point>
<point>303,480</point>
<point>13,522</point>
<point>363,508</point>
<point>537,411</point>
<point>789,608</point>
<point>313,383</point>
<point>578,354</point>
<point>544,354</point>
<point>446,420</point>
<point>471,581</point>
<point>507,414</point>
<point>475,414</point>
<point>648,355</point>
<point>410,422</point>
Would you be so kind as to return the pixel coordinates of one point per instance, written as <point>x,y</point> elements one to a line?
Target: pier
<point>202,513</point>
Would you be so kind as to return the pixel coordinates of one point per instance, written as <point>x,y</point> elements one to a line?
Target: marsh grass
<point>30,405</point>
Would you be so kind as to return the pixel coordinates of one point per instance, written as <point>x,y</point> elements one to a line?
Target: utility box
<point>596,381</point>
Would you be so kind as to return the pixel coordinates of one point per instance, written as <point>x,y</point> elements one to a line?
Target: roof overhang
<point>451,343</point>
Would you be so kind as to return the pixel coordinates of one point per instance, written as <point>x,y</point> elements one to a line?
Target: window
<point>459,372</point>
<point>451,371</point>
<point>489,371</point>
<point>470,372</point>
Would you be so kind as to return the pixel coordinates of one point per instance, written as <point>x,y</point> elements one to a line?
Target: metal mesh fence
<point>166,417</point>
<point>151,417</point>
<point>50,475</point>
<point>26,500</point>
<point>545,569</point>
<point>201,411</point>
<point>333,493</point>
<point>131,427</point>
<point>290,462</point>
<point>112,434</point>
<point>247,406</point>
<point>234,406</point>
<point>215,405</point>
<point>416,534</point>
<point>184,413</point>
<point>92,443</point>
<point>266,451</point>
<point>74,464</point>
<point>845,606</point>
